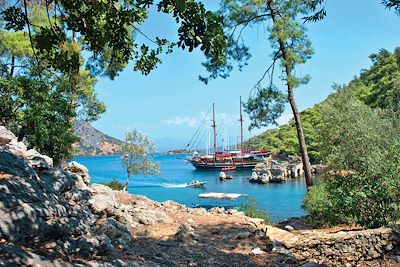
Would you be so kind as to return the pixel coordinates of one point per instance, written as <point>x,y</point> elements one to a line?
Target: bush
<point>323,207</point>
<point>115,185</point>
<point>364,144</point>
<point>252,209</point>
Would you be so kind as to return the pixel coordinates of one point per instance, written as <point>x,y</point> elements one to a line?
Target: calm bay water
<point>281,200</point>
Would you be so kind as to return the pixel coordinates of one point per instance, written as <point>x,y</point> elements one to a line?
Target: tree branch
<point>147,37</point>
<point>29,30</point>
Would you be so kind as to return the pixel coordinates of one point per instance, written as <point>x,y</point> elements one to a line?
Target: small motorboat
<point>223,176</point>
<point>196,183</point>
<point>229,168</point>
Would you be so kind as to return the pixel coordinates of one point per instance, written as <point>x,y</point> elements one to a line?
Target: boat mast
<point>215,132</point>
<point>241,126</point>
<point>207,139</point>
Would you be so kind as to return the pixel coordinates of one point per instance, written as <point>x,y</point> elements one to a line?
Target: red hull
<point>229,168</point>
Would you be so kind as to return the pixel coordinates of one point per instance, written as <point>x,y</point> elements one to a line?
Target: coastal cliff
<point>56,217</point>
<point>93,142</point>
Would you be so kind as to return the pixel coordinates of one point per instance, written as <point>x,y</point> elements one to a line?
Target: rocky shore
<point>56,217</point>
<point>280,168</point>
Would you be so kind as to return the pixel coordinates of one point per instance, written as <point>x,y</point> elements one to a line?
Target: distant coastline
<point>179,152</point>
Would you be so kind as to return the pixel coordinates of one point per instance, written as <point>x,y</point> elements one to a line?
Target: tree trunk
<point>300,134</point>
<point>12,66</point>
<point>126,183</point>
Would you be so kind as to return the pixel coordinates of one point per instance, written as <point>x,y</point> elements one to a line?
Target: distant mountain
<point>93,142</point>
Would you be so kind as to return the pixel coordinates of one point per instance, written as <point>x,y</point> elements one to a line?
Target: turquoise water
<point>281,200</point>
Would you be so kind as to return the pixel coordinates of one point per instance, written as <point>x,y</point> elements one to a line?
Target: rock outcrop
<point>9,142</point>
<point>78,169</point>
<point>277,170</point>
<point>269,172</point>
<point>5,135</point>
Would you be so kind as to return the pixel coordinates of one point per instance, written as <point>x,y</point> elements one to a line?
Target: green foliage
<point>284,138</point>
<point>36,110</point>
<point>265,107</point>
<point>41,48</point>
<point>40,102</point>
<point>290,48</point>
<point>115,185</point>
<point>324,209</point>
<point>136,155</point>
<point>392,4</point>
<point>377,86</point>
<point>107,31</point>
<point>365,145</point>
<point>252,209</point>
<point>318,8</point>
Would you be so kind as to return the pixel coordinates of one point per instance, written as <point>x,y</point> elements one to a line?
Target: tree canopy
<point>107,31</point>
<point>376,86</point>
<point>361,145</point>
<point>52,51</point>
<point>137,155</point>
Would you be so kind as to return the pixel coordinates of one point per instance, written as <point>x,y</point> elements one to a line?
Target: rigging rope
<point>198,129</point>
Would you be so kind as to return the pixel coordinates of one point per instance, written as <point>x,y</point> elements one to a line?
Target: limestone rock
<point>270,172</point>
<point>318,169</point>
<point>289,228</point>
<point>217,210</point>
<point>257,251</point>
<point>261,177</point>
<point>19,149</point>
<point>18,145</point>
<point>5,135</point>
<point>14,256</point>
<point>265,177</point>
<point>117,233</point>
<point>336,249</point>
<point>254,177</point>
<point>105,203</point>
<point>32,208</point>
<point>79,169</point>
<point>185,233</point>
<point>13,165</point>
<point>33,156</point>
<point>39,163</point>
<point>278,174</point>
<point>296,169</point>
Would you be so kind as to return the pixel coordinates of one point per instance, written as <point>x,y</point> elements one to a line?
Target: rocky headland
<point>56,217</point>
<point>280,168</point>
<point>93,142</point>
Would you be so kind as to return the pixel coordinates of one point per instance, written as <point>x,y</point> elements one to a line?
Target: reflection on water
<point>281,200</point>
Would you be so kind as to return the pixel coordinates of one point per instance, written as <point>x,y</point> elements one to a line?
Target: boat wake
<point>166,185</point>
<point>174,185</point>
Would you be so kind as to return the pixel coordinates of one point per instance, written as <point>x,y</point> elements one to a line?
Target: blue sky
<point>170,103</point>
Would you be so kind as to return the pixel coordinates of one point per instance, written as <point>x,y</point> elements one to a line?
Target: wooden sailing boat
<point>228,160</point>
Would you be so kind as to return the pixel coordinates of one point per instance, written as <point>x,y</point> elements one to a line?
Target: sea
<point>281,200</point>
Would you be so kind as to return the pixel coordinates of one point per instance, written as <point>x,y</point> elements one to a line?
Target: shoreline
<point>52,217</point>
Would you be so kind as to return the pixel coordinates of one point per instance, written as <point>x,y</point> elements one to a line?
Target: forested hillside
<point>378,86</point>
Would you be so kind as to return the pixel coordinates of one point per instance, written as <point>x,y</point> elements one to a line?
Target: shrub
<point>115,185</point>
<point>323,207</point>
<point>251,209</point>
<point>364,144</point>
